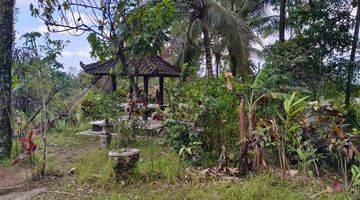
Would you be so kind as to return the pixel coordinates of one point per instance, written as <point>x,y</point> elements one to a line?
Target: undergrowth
<point>161,174</point>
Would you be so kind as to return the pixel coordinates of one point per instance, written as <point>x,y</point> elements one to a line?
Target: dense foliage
<point>287,115</point>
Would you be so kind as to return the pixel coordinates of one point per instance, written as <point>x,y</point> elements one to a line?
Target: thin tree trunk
<point>208,57</point>
<point>218,63</point>
<point>282,21</point>
<point>49,98</point>
<point>6,44</point>
<point>352,58</point>
<point>44,122</point>
<point>133,85</point>
<point>233,60</point>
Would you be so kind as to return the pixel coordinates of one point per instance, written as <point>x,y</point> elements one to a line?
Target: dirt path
<point>11,176</point>
<point>29,194</point>
<point>15,182</point>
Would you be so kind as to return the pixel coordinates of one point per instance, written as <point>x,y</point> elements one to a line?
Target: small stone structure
<point>98,126</point>
<point>98,129</point>
<point>125,162</point>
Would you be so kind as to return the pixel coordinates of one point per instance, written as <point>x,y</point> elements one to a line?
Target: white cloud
<point>41,29</point>
<point>76,53</point>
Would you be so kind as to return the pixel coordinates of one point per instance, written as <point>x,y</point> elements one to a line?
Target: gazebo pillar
<point>146,88</point>
<point>113,82</point>
<point>161,90</point>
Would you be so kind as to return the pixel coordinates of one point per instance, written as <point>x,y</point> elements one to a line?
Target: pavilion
<point>146,67</point>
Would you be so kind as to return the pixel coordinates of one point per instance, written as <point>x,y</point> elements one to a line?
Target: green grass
<point>156,163</point>
<point>161,174</point>
<point>261,187</point>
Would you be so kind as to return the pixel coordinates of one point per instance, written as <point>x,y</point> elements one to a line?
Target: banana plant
<point>251,97</point>
<point>259,90</point>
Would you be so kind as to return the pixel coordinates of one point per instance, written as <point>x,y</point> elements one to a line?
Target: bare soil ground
<point>11,177</point>
<point>20,182</point>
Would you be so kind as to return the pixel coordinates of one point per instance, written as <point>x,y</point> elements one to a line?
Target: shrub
<point>202,117</point>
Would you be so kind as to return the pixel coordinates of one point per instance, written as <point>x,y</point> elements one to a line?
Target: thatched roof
<point>153,66</point>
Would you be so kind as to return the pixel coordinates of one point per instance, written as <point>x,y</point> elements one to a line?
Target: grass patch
<point>261,187</point>
<point>94,170</point>
<point>161,174</point>
<point>156,163</point>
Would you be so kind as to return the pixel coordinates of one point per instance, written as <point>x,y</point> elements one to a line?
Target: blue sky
<point>78,49</point>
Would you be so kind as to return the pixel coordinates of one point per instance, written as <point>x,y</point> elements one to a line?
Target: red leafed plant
<point>337,186</point>
<point>28,146</point>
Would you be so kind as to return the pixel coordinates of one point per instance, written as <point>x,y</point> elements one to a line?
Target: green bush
<point>202,117</point>
<point>102,106</point>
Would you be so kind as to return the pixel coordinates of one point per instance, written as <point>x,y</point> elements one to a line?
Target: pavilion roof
<point>152,66</point>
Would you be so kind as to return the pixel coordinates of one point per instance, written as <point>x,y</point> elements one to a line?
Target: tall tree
<point>254,13</point>
<point>282,21</point>
<point>117,29</point>
<point>6,44</point>
<point>307,58</point>
<point>216,19</point>
<point>350,70</point>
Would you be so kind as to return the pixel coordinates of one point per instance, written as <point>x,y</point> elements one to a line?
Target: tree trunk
<point>218,63</point>
<point>233,62</point>
<point>282,21</point>
<point>352,58</point>
<point>133,85</point>
<point>113,83</point>
<point>6,43</point>
<point>207,45</point>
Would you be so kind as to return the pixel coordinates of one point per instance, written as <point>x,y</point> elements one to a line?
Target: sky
<point>77,50</point>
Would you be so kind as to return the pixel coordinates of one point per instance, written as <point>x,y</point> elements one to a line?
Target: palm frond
<point>190,52</point>
<point>259,7</point>
<point>257,52</point>
<point>235,31</point>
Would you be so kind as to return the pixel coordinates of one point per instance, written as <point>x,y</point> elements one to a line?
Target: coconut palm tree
<point>6,43</point>
<point>254,13</point>
<point>282,20</point>
<point>213,18</point>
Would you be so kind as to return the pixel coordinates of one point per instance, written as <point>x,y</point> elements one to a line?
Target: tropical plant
<point>261,23</point>
<point>206,17</point>
<point>28,148</point>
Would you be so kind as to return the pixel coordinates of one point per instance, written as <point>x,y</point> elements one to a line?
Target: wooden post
<point>113,83</point>
<point>146,96</point>
<point>161,90</point>
<point>131,91</point>
<point>146,88</point>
